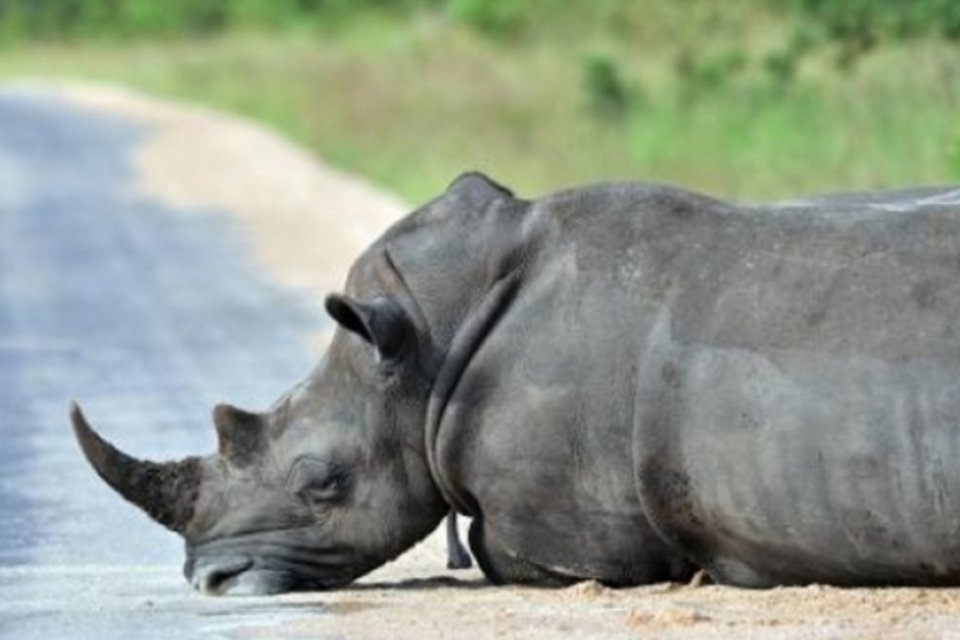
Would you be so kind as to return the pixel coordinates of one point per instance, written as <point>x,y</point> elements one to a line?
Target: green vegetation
<point>748,98</point>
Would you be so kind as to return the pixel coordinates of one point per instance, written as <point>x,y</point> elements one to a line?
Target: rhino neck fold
<point>478,324</point>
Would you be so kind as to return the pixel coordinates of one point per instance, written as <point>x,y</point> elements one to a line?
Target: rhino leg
<point>457,555</point>
<point>503,567</point>
<point>734,572</point>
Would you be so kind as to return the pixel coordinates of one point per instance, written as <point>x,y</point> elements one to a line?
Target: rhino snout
<point>227,576</point>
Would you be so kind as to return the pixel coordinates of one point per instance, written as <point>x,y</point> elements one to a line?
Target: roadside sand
<point>307,223</point>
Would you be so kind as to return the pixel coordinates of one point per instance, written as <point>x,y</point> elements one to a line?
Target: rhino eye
<point>325,490</point>
<point>315,481</point>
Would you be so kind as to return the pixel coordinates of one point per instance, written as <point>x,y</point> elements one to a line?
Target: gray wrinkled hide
<point>771,392</point>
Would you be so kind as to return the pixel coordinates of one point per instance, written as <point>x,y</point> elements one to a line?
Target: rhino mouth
<point>261,565</point>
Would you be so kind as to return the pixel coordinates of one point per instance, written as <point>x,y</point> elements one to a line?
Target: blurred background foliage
<point>744,98</point>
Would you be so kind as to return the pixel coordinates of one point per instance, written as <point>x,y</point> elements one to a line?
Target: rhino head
<point>333,480</point>
<point>323,487</point>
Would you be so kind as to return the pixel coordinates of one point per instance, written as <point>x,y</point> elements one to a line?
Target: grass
<point>410,103</point>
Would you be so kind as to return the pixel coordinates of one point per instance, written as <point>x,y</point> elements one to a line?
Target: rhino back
<point>800,399</point>
<point>779,384</point>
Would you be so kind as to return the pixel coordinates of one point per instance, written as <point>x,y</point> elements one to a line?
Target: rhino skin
<point>623,382</point>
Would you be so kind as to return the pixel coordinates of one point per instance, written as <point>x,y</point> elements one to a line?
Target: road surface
<point>149,314</point>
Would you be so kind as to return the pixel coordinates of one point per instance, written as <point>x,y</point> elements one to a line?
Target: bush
<point>607,93</point>
<point>702,74</point>
<point>498,19</point>
<point>50,19</point>
<point>857,26</point>
<point>70,18</point>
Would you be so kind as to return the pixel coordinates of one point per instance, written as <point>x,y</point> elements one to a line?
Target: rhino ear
<point>474,186</point>
<point>381,322</point>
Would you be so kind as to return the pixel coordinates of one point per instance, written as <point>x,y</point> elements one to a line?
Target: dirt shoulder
<point>307,221</point>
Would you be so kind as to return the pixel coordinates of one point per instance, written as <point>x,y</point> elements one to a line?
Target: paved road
<point>147,314</point>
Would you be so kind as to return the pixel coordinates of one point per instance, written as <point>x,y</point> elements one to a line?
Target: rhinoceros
<point>624,382</point>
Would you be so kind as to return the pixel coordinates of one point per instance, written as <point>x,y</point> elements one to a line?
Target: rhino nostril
<point>211,579</point>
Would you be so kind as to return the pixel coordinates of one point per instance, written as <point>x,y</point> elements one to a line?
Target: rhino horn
<point>166,491</point>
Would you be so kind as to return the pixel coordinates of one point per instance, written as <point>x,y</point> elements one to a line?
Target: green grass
<point>410,103</point>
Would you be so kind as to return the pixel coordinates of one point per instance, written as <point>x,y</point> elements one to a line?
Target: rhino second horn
<point>165,491</point>
<point>240,434</point>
